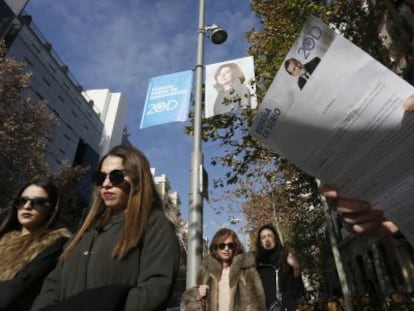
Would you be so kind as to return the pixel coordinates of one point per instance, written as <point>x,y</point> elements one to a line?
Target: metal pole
<point>195,212</point>
<point>336,253</point>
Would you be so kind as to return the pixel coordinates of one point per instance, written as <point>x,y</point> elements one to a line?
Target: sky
<point>120,45</point>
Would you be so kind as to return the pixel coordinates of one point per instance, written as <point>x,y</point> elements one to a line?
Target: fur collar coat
<point>246,290</point>
<point>16,253</point>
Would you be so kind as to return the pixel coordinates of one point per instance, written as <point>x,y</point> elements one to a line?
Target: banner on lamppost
<point>168,99</point>
<point>230,86</point>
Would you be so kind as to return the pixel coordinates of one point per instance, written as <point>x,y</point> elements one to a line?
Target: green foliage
<point>272,189</point>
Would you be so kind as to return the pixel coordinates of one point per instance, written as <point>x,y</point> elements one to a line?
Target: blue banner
<point>168,99</point>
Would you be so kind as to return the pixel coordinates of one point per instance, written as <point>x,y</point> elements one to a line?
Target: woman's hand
<point>409,103</point>
<point>359,216</point>
<point>294,263</point>
<point>203,291</point>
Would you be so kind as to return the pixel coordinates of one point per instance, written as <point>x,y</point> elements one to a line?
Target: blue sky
<point>120,45</point>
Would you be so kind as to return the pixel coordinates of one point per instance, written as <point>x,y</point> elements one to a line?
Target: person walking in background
<point>126,253</point>
<point>227,279</point>
<point>29,243</point>
<point>279,271</point>
<point>231,91</point>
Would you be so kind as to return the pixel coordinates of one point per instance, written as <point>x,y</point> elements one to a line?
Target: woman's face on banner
<point>224,76</point>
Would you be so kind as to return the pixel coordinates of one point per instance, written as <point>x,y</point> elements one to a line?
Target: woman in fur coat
<point>29,248</point>
<point>227,280</point>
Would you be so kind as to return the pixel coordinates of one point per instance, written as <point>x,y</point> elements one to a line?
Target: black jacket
<point>18,293</point>
<point>309,67</point>
<point>290,287</point>
<point>145,276</point>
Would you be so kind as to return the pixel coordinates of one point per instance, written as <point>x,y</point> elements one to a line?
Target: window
<point>52,68</point>
<point>36,47</point>
<point>39,95</point>
<point>47,82</point>
<point>6,16</point>
<point>28,61</point>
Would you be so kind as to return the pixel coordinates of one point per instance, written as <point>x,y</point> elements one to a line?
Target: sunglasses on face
<point>35,203</point>
<point>230,246</point>
<point>116,177</point>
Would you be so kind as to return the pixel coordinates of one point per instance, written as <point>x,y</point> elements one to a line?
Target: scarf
<point>15,254</point>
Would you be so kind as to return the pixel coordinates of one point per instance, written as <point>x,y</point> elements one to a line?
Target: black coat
<point>143,280</point>
<point>290,287</point>
<point>18,293</point>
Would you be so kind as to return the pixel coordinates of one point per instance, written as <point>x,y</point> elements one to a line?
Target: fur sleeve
<point>257,299</point>
<point>190,300</point>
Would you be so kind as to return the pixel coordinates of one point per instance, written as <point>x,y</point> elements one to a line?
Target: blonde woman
<point>227,280</point>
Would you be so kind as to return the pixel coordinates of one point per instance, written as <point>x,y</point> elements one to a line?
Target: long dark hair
<point>11,221</point>
<point>143,197</point>
<point>279,251</point>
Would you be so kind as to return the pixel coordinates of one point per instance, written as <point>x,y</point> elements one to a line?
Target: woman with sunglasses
<point>29,247</point>
<point>126,253</point>
<point>227,280</point>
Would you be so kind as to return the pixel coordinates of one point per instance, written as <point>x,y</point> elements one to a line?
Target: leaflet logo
<point>267,121</point>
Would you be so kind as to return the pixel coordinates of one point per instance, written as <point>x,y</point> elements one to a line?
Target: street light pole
<point>195,210</point>
<point>346,290</point>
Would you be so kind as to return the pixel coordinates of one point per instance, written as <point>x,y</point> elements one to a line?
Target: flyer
<point>337,114</point>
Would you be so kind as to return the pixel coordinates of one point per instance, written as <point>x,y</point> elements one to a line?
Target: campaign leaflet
<point>343,122</point>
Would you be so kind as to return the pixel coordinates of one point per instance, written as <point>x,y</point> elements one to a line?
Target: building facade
<point>377,269</point>
<point>112,112</point>
<point>89,122</point>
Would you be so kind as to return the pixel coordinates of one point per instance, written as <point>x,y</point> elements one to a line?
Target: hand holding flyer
<point>339,115</point>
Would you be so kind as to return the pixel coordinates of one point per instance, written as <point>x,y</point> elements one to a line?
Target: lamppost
<point>195,211</point>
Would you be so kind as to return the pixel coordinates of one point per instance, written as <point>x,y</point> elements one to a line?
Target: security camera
<point>218,36</point>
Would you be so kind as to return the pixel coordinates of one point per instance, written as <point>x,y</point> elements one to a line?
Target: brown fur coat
<point>246,288</point>
<point>15,254</point>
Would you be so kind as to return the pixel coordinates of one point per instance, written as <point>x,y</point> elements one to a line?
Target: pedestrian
<point>29,243</point>
<point>279,271</point>
<point>227,279</point>
<point>126,253</point>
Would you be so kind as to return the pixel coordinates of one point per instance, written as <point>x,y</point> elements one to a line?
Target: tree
<point>250,165</point>
<point>24,126</point>
<point>73,205</point>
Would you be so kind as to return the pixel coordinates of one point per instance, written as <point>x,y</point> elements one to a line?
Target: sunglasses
<point>223,246</point>
<point>35,203</point>
<point>116,177</point>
